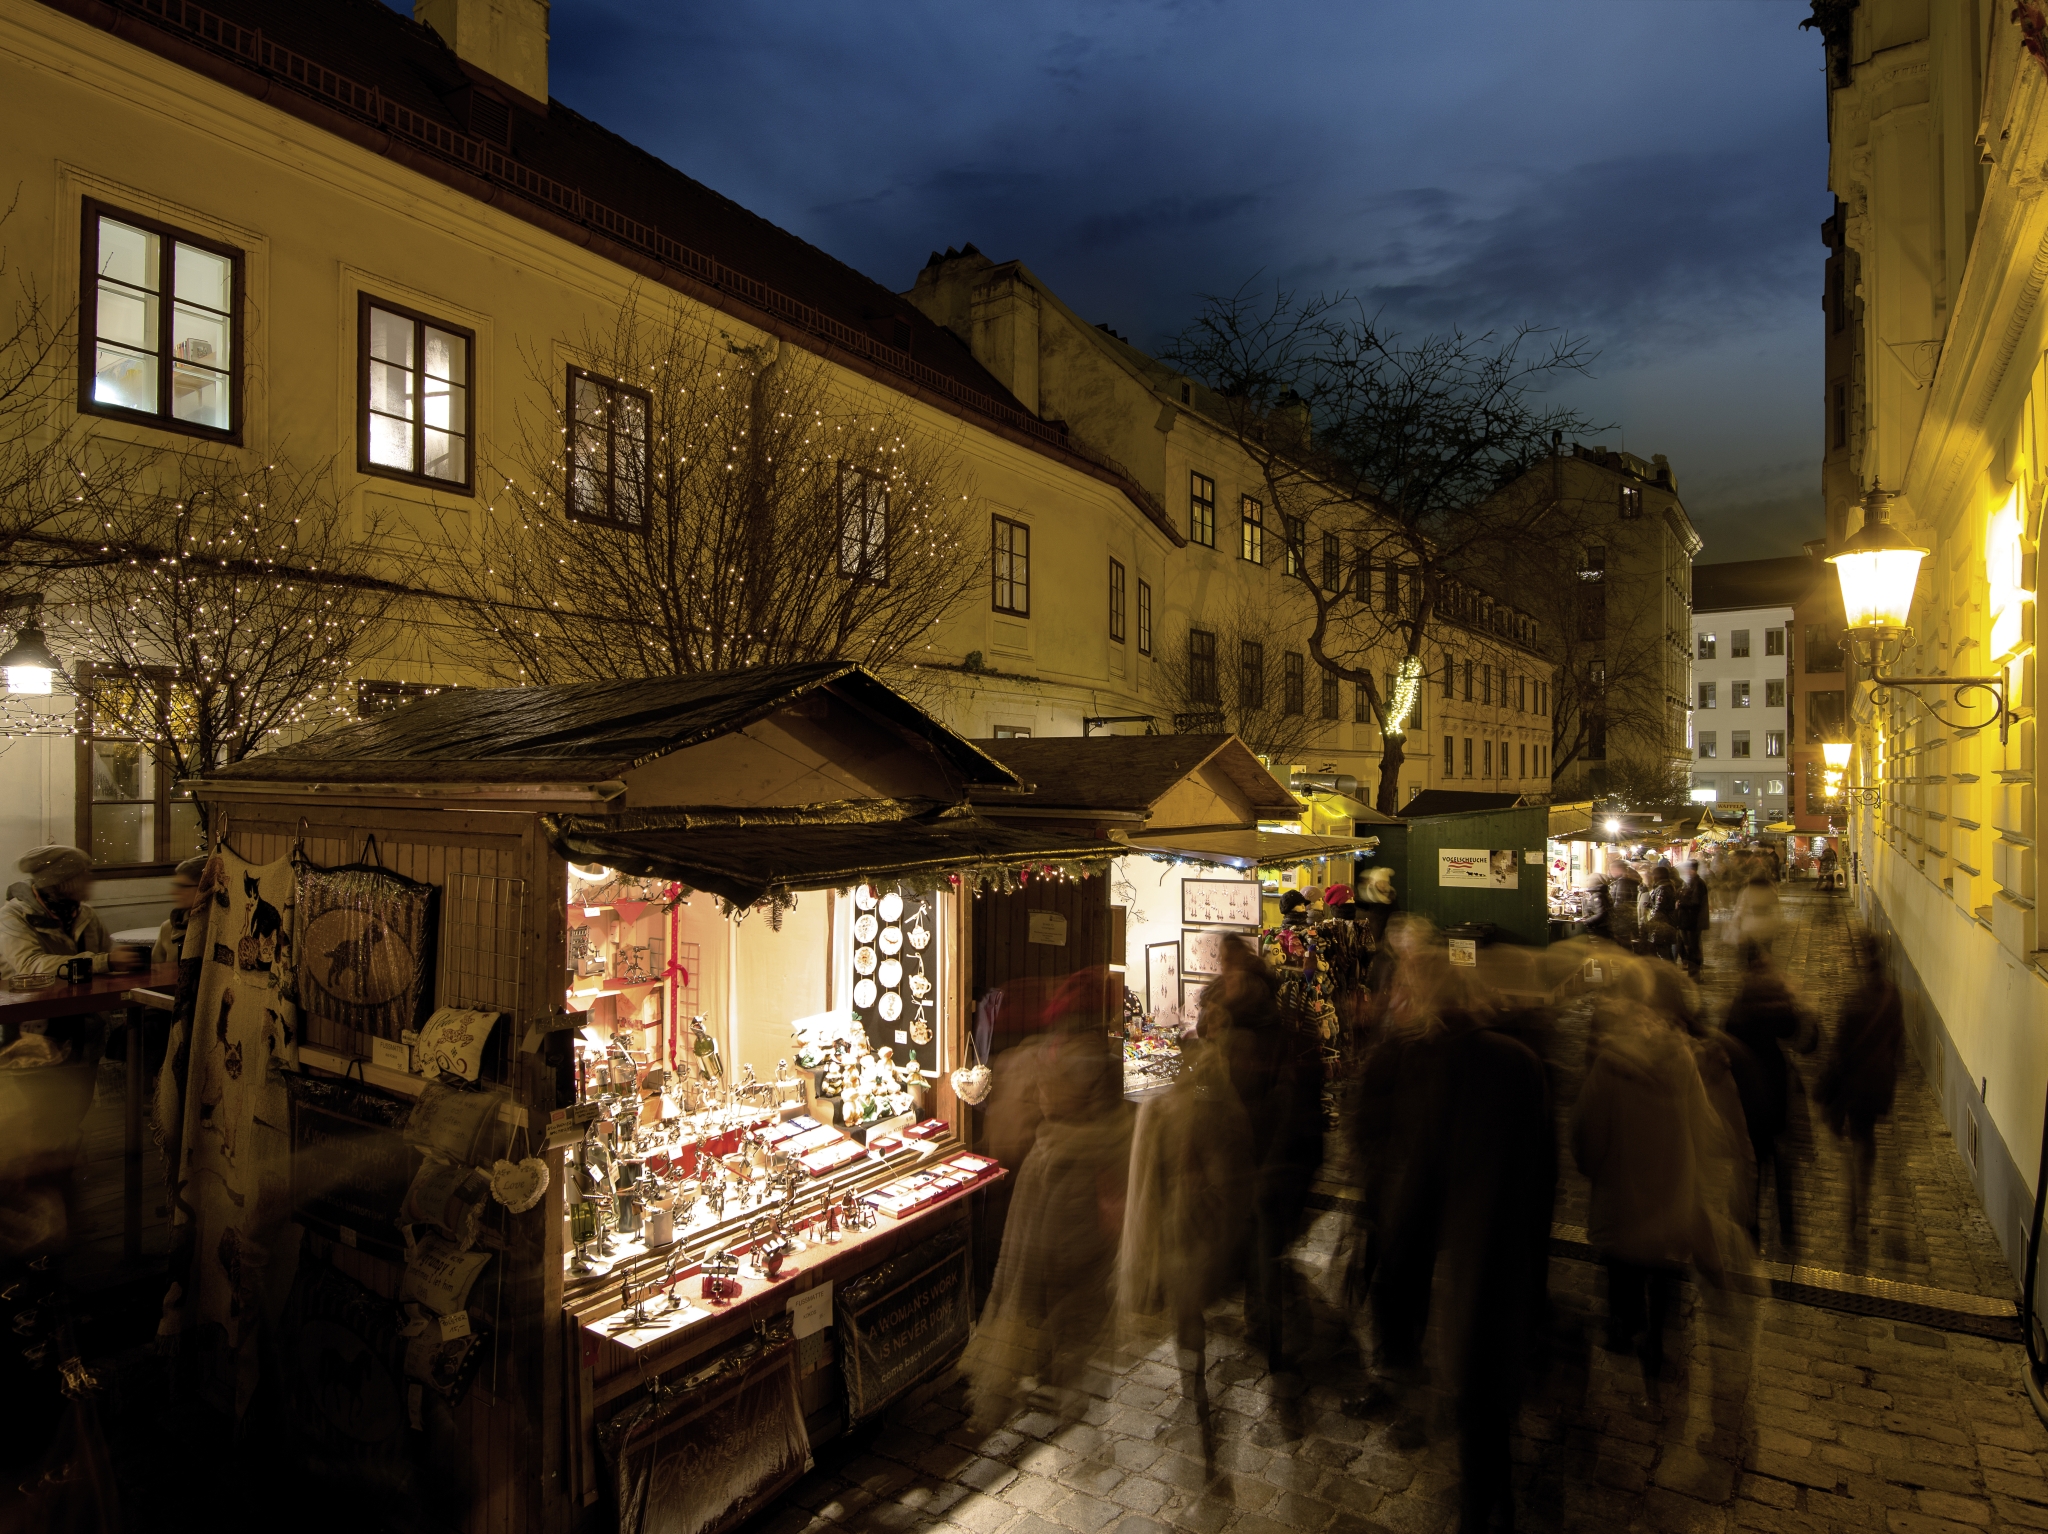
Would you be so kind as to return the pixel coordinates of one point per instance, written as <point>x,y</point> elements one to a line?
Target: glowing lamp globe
<point>1613,828</point>
<point>1878,569</point>
<point>1836,754</point>
<point>30,668</point>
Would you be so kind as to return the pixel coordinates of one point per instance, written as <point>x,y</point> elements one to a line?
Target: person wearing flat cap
<point>170,938</point>
<point>46,920</point>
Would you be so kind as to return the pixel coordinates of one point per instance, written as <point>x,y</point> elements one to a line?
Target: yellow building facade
<point>1938,393</point>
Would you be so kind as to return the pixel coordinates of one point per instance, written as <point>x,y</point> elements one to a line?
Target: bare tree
<point>1384,464</point>
<point>44,448</point>
<point>1246,672</point>
<point>1641,780</point>
<point>219,612</point>
<point>694,505</point>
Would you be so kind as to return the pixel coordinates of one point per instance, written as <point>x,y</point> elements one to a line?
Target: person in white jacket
<point>46,920</point>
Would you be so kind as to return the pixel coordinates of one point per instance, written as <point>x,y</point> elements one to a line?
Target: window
<point>1116,602</point>
<point>1841,414</point>
<point>1631,503</point>
<point>1486,748</point>
<point>1522,761</point>
<point>1144,617</point>
<point>1251,530</point>
<point>1774,742</point>
<point>1594,566</point>
<point>1739,787</point>
<point>1774,786</point>
<point>418,410</point>
<point>608,452</point>
<point>1251,675</point>
<point>1296,538</point>
<point>1823,648</point>
<point>1709,694</point>
<point>1450,676</point>
<point>1774,692</point>
<point>863,526</point>
<point>1012,544</point>
<point>1738,743</point>
<point>1361,578</point>
<point>1774,641</point>
<point>1707,745</point>
<point>1330,693</point>
<point>1827,717</point>
<point>1503,758</point>
<point>1333,562</point>
<point>1738,694</point>
<point>1738,644</point>
<point>131,814</point>
<point>1593,612</point>
<point>1712,785</point>
<point>1486,684</point>
<point>183,374</point>
<point>1521,695</point>
<point>1361,704</point>
<point>1468,681</point>
<point>1468,756</point>
<point>1202,510</point>
<point>1390,587</point>
<point>1450,757</point>
<point>1201,666</point>
<point>1012,732</point>
<point>1707,646</point>
<point>1293,684</point>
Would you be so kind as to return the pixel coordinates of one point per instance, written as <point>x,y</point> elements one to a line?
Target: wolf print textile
<point>366,949</point>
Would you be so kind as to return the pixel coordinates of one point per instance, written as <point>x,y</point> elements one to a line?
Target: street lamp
<point>1835,784</point>
<point>30,668</point>
<point>1878,569</point>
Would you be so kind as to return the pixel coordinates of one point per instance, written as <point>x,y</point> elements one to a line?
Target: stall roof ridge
<point>1112,772</point>
<point>582,730</point>
<point>1461,801</point>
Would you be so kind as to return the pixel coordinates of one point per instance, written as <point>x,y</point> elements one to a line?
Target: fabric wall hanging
<point>367,936</point>
<point>233,1191</point>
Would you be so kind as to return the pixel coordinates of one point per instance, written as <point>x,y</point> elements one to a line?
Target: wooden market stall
<point>617,1022</point>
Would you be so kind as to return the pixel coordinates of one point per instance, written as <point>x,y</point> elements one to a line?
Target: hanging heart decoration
<point>518,1185</point>
<point>972,1083</point>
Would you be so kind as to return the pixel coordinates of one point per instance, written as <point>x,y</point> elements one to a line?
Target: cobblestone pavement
<point>1775,1416</point>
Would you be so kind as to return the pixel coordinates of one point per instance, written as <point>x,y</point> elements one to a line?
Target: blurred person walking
<point>1694,910</point>
<point>1757,915</point>
<point>1861,1076</point>
<point>1660,912</point>
<point>1762,1021</point>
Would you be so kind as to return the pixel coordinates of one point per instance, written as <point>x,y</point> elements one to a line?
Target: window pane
<point>447,356</point>
<point>128,255</point>
<point>391,390</point>
<point>201,277</point>
<point>587,401</point>
<point>390,337</point>
<point>127,317</point>
<point>124,833</point>
<point>390,442</point>
<point>446,406</point>
<point>199,335</point>
<point>199,395</point>
<point>124,378</point>
<point>122,769</point>
<point>446,456</point>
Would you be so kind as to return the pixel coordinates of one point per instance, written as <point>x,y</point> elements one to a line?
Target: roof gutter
<point>524,794</point>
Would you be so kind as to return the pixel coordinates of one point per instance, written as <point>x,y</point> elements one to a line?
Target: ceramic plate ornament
<point>892,906</point>
<point>892,940</point>
<point>890,974</point>
<point>864,928</point>
<point>864,897</point>
<point>863,993</point>
<point>891,1006</point>
<point>864,960</point>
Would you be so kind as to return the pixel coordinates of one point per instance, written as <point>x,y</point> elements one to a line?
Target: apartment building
<point>1744,684</point>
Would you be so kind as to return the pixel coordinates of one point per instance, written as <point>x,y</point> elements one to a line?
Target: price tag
<point>454,1325</point>
<point>902,1037</point>
<point>811,1311</point>
<point>1465,951</point>
<point>390,1055</point>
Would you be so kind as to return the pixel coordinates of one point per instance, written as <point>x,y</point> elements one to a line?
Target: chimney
<point>505,39</point>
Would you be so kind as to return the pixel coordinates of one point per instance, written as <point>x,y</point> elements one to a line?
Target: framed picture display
<point>1219,902</point>
<point>1162,979</point>
<point>1191,1000</point>
<point>1202,950</point>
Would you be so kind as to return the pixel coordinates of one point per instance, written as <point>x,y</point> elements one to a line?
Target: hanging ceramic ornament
<point>920,1029</point>
<point>864,897</point>
<point>890,975</point>
<point>890,1006</point>
<point>518,1185</point>
<point>864,961</point>
<point>892,940</point>
<point>892,906</point>
<point>863,993</point>
<point>864,928</point>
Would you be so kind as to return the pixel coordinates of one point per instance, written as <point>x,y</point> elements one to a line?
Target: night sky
<point>1650,174</point>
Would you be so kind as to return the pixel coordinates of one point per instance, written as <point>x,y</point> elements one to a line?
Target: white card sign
<point>811,1311</point>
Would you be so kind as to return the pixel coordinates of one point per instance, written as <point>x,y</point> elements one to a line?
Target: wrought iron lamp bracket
<point>1959,688</point>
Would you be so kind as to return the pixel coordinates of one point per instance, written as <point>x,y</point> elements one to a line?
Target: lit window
<point>607,452</point>
<point>1706,646</point>
<point>1774,742</point>
<point>1738,694</point>
<point>1631,503</point>
<point>1251,527</point>
<point>418,411</point>
<point>1296,537</point>
<point>1708,694</point>
<point>1706,746</point>
<point>178,370</point>
<point>134,816</point>
<point>1011,542</point>
<point>1202,510</point>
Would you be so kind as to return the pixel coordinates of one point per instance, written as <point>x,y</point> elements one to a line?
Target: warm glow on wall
<point>2005,571</point>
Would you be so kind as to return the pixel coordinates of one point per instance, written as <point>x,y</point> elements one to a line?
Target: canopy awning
<point>745,862</point>
<point>1252,849</point>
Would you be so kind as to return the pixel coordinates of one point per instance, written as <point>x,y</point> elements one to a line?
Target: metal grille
<point>480,956</point>
<point>686,990</point>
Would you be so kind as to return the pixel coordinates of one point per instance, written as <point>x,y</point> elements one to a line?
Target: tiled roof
<point>357,66</point>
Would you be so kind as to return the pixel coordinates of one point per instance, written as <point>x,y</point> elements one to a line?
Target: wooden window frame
<point>162,678</point>
<point>1144,616</point>
<point>611,439</point>
<point>1116,601</point>
<point>1251,530</point>
<point>863,572</point>
<point>1251,675</point>
<point>1201,509</point>
<point>997,579</point>
<point>91,212</point>
<point>1333,563</point>
<point>1203,683</point>
<point>1293,683</point>
<point>1333,694</point>
<point>365,302</point>
<point>1294,537</point>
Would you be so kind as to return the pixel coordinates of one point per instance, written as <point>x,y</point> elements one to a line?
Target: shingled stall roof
<point>1108,773</point>
<point>745,862</point>
<point>583,732</point>
<point>360,69</point>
